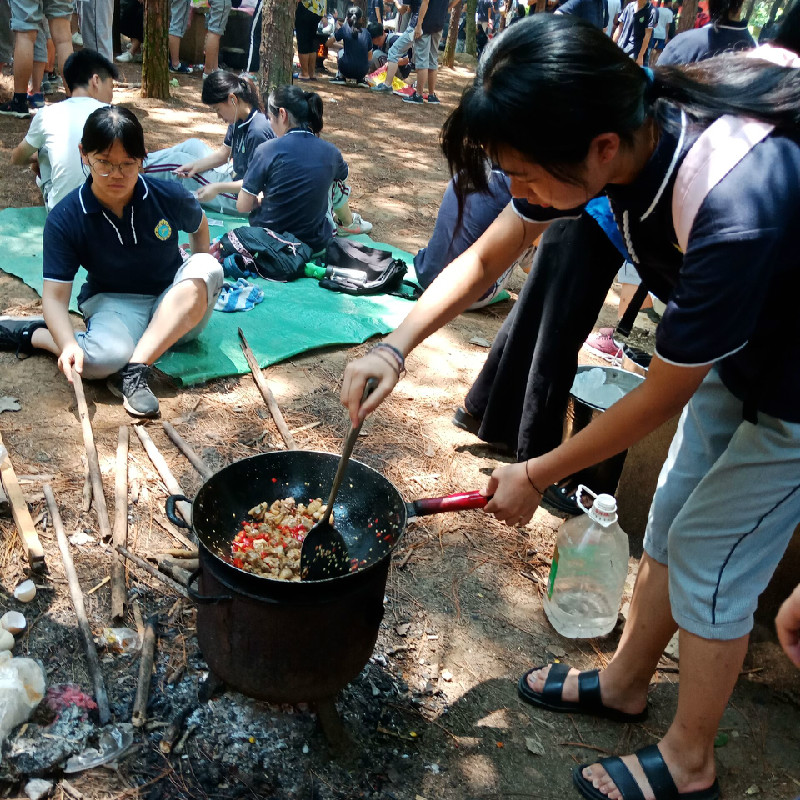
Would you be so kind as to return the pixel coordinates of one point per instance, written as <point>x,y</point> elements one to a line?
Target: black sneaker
<point>339,80</point>
<point>414,98</point>
<point>14,108</point>
<point>464,420</point>
<point>181,69</point>
<point>130,383</point>
<point>16,333</point>
<point>362,84</point>
<point>432,98</point>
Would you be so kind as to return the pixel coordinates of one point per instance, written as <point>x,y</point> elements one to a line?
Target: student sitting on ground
<point>382,42</point>
<point>51,144</point>
<point>355,57</point>
<point>215,176</point>
<point>294,181</point>
<point>140,297</point>
<point>450,239</point>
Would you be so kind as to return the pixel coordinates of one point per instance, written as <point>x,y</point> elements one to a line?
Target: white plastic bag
<point>22,685</point>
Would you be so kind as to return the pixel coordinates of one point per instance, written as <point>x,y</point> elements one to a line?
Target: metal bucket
<point>602,477</point>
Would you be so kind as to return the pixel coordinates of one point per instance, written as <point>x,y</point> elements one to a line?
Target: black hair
<point>721,10</point>
<point>110,124</point>
<point>375,29</point>
<point>788,35</point>
<point>552,83</point>
<point>355,17</point>
<point>79,68</point>
<point>304,108</point>
<point>220,84</point>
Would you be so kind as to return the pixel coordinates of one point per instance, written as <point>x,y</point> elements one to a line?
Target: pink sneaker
<point>603,343</point>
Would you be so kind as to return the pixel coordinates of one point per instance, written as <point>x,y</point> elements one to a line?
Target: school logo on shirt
<point>163,230</point>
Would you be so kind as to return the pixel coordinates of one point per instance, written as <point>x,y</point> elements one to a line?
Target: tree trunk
<point>688,16</point>
<point>155,59</point>
<point>471,46</point>
<point>749,9</point>
<point>277,25</point>
<point>449,57</point>
<point>773,12</point>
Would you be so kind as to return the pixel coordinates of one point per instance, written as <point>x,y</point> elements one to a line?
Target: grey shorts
<point>398,49</point>
<point>426,51</point>
<point>727,503</point>
<point>116,322</point>
<point>40,45</point>
<point>178,17</point>
<point>217,16</point>
<point>27,15</point>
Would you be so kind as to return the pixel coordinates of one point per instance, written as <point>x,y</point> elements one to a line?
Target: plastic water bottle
<point>587,576</point>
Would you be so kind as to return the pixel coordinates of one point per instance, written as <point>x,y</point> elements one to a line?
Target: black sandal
<point>654,768</point>
<point>589,700</point>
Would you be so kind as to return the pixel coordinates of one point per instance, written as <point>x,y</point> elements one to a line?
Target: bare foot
<point>685,779</point>
<point>625,698</point>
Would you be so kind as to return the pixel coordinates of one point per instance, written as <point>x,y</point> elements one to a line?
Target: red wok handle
<point>451,502</point>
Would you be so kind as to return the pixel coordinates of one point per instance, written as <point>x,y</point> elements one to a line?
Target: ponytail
<point>304,108</point>
<point>219,85</point>
<point>355,20</point>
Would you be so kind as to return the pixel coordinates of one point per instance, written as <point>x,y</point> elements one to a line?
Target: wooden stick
<point>175,727</point>
<point>266,393</point>
<point>168,563</point>
<point>86,504</point>
<point>160,518</point>
<point>173,487</point>
<point>100,696</point>
<point>137,617</point>
<point>150,570</point>
<point>98,495</point>
<point>22,517</point>
<point>182,445</point>
<point>176,553</point>
<point>119,593</point>
<point>145,673</point>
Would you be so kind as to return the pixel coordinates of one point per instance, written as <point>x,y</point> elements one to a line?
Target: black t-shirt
<point>701,43</point>
<point>594,11</point>
<point>372,5</point>
<point>635,21</point>
<point>731,297</point>
<point>483,10</point>
<point>435,16</point>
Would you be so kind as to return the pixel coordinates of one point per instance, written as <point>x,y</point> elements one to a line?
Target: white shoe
<point>358,225</point>
<point>77,39</point>
<point>129,58</point>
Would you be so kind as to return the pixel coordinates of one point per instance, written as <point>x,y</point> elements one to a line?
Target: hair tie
<point>650,76</point>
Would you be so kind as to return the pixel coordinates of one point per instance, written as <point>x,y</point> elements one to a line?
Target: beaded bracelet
<point>395,353</point>
<point>535,487</point>
<point>388,360</point>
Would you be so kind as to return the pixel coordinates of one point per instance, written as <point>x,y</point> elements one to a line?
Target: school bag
<point>275,256</point>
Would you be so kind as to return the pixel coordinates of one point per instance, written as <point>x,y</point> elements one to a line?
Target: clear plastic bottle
<point>587,576</point>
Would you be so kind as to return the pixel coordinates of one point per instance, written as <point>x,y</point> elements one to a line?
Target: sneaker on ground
<point>36,100</point>
<point>432,98</point>
<point>603,343</point>
<point>16,333</point>
<point>339,80</point>
<point>77,39</point>
<point>362,84</point>
<point>464,420</point>
<point>381,87</point>
<point>14,108</point>
<point>414,98</point>
<point>129,58</point>
<point>181,69</point>
<point>358,225</point>
<point>130,383</point>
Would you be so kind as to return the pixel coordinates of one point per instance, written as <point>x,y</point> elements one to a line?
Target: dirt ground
<point>436,713</point>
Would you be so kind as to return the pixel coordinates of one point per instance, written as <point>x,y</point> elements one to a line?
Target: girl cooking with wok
<point>568,116</point>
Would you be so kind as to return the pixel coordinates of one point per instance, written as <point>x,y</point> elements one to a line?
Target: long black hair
<point>220,84</point>
<point>552,83</point>
<point>355,19</point>
<point>304,108</point>
<point>722,10</point>
<point>109,124</point>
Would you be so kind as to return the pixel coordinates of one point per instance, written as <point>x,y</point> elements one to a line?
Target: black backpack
<point>275,256</point>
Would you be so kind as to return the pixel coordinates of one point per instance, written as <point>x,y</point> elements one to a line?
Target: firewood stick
<point>145,673</point>
<point>184,447</point>
<point>150,570</point>
<point>86,505</point>
<point>174,729</point>
<point>137,617</point>
<point>168,563</point>
<point>100,696</point>
<point>176,553</point>
<point>173,487</point>
<point>266,393</point>
<point>119,593</point>
<point>22,517</point>
<point>98,495</point>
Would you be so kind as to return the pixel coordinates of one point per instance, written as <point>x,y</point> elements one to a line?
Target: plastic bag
<point>22,684</point>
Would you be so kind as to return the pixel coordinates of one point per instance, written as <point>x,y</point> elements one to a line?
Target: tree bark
<point>277,25</point>
<point>449,57</point>
<point>471,46</point>
<point>155,59</point>
<point>688,16</point>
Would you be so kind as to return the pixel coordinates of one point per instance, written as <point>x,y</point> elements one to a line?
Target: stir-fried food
<point>269,544</point>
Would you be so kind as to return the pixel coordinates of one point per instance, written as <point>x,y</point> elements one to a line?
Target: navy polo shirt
<point>483,10</point>
<point>435,16</point>
<point>356,48</point>
<point>295,172</point>
<point>594,11</point>
<point>244,137</point>
<point>136,253</point>
<point>635,21</point>
<point>372,5</point>
<point>706,42</point>
<point>731,297</point>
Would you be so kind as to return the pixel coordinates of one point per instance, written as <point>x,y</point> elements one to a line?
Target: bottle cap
<point>604,509</point>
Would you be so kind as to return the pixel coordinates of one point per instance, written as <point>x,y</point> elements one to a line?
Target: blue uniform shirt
<point>295,172</point>
<point>137,253</point>
<point>594,11</point>
<point>731,297</point>
<point>353,60</point>
<point>710,40</point>
<point>244,137</point>
<point>635,21</point>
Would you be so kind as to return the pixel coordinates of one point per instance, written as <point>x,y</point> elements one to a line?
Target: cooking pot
<point>293,641</point>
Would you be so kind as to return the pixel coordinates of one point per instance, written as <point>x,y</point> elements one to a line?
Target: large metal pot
<point>288,641</point>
